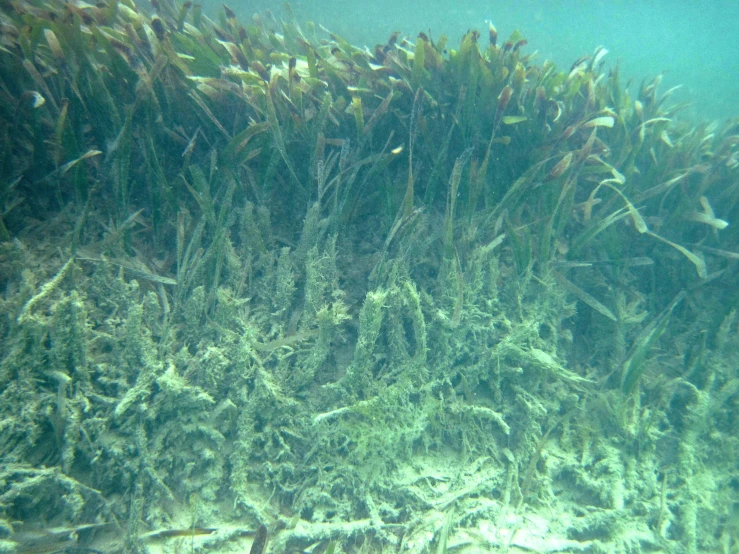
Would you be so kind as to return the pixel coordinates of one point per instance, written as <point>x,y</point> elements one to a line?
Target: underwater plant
<point>260,283</point>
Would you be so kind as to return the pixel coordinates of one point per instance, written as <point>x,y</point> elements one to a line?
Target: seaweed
<point>399,299</point>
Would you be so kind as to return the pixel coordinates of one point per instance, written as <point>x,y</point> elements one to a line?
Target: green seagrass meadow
<point>267,291</point>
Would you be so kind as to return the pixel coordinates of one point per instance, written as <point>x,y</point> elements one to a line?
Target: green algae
<point>379,300</point>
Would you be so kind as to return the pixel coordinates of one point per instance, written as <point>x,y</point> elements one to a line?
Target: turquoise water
<point>694,43</point>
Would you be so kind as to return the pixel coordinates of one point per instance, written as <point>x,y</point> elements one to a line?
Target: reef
<point>265,289</point>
